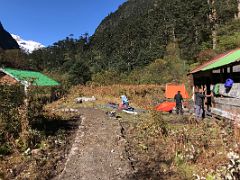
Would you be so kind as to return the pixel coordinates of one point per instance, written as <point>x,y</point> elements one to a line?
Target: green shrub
<point>107,78</point>
<point>229,36</point>
<point>229,42</point>
<point>11,98</point>
<point>160,122</point>
<point>35,138</point>
<point>5,149</point>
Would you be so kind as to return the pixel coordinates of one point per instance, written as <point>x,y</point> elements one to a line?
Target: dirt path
<point>98,151</point>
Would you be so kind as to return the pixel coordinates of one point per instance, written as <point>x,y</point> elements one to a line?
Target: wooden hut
<point>214,74</point>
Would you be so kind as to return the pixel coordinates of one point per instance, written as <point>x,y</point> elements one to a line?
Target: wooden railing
<point>227,107</point>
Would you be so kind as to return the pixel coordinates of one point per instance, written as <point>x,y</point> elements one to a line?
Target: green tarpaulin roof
<point>32,77</point>
<point>225,60</point>
<point>220,61</point>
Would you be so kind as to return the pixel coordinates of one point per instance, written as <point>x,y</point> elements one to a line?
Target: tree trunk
<point>174,37</point>
<point>213,21</point>
<point>238,13</point>
<point>214,37</point>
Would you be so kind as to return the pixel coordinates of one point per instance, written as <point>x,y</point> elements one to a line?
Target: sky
<point>48,21</point>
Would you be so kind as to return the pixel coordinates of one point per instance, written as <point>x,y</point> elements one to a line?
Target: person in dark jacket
<point>178,99</point>
<point>199,103</point>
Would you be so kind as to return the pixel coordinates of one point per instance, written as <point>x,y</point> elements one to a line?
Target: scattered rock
<point>27,152</point>
<point>36,151</point>
<point>85,99</point>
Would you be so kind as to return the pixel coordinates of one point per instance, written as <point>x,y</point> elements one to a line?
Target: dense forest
<point>144,41</point>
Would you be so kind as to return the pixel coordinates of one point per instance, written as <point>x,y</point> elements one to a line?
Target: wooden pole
<point>221,75</point>
<point>23,111</point>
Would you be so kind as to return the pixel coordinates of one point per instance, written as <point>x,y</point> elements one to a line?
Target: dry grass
<point>141,96</point>
<point>175,149</point>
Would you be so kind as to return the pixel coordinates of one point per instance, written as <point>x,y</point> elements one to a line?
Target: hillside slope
<point>6,40</point>
<point>139,31</point>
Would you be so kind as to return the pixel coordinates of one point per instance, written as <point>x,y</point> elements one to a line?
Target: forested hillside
<point>139,31</point>
<point>153,36</point>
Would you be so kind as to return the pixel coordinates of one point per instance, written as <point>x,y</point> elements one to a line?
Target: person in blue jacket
<point>228,84</point>
<point>125,102</point>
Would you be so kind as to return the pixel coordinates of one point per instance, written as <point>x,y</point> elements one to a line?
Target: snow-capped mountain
<point>27,45</point>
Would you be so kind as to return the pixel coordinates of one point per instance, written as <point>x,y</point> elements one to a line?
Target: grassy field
<point>141,96</point>
<point>161,144</point>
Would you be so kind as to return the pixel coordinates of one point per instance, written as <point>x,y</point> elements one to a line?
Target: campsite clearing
<point>150,145</point>
<point>163,145</point>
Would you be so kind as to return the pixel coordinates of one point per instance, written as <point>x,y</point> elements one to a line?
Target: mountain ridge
<point>6,40</point>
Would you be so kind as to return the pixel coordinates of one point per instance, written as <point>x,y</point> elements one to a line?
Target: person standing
<point>210,98</point>
<point>178,99</point>
<point>199,103</point>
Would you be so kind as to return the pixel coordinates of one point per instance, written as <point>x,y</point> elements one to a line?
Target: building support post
<point>221,75</point>
<point>231,70</point>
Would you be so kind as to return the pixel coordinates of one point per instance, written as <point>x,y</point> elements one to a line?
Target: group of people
<point>201,99</point>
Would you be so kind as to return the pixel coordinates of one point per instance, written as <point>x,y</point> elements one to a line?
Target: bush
<point>160,71</point>
<point>206,55</point>
<point>14,116</point>
<point>5,149</point>
<point>229,36</point>
<point>161,122</point>
<point>79,73</point>
<point>107,78</point>
<point>11,98</point>
<point>229,42</point>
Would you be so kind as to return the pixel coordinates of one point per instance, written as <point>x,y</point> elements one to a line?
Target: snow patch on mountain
<point>27,45</point>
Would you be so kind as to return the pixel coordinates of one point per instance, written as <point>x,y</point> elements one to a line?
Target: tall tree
<point>237,15</point>
<point>213,21</point>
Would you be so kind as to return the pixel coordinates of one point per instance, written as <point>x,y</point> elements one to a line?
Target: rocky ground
<point>99,150</point>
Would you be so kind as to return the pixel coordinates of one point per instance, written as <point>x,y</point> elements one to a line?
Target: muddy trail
<point>99,150</point>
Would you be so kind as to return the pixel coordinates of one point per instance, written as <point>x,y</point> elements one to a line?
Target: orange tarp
<point>166,106</point>
<point>172,89</point>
